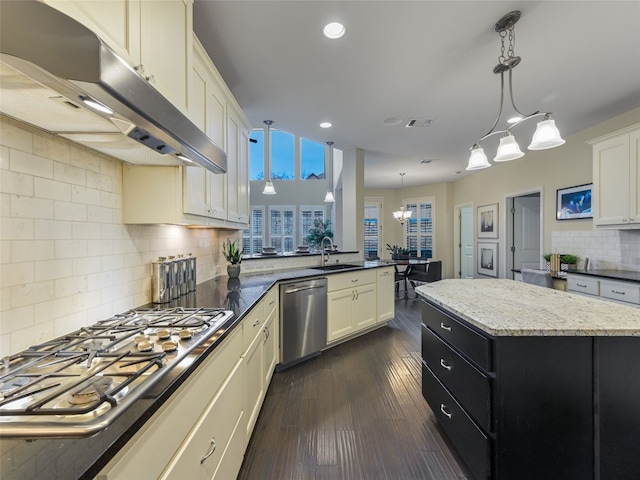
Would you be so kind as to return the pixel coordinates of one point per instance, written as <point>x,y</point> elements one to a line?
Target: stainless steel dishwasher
<point>303,320</point>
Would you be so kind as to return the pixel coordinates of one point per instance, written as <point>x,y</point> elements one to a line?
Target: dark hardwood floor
<point>354,412</point>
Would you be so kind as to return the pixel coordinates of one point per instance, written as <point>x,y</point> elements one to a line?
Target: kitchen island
<point>531,382</point>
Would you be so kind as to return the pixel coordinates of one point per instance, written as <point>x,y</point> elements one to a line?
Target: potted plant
<point>571,261</point>
<point>547,261</point>
<point>398,252</point>
<point>319,230</point>
<point>233,254</point>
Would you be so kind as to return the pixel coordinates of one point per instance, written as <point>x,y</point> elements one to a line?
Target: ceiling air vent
<point>419,122</point>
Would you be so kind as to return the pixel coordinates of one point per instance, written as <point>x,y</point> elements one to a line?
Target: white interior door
<point>526,232</point>
<point>466,242</point>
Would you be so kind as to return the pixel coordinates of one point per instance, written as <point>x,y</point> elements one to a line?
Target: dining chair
<point>537,277</point>
<point>431,273</point>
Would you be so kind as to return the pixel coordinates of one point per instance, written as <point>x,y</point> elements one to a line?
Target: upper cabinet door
<point>616,201</point>
<point>166,33</point>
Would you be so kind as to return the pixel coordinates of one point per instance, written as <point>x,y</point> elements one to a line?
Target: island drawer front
<point>470,386</point>
<point>340,281</point>
<point>472,444</point>
<point>622,291</point>
<point>471,343</point>
<point>582,284</point>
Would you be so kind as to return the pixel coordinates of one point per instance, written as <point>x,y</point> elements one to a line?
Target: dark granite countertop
<point>611,274</point>
<point>83,458</point>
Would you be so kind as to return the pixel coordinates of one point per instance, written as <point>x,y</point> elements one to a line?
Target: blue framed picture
<point>574,203</point>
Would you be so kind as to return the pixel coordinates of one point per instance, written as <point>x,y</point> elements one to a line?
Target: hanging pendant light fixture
<point>329,198</point>
<point>269,189</point>
<point>546,134</point>
<point>402,215</point>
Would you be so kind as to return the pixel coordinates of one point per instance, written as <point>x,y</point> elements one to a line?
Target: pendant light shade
<point>478,160</point>
<point>546,136</point>
<point>329,198</point>
<point>508,149</point>
<point>269,189</point>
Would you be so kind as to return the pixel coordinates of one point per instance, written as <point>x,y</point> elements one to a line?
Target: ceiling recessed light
<point>333,30</point>
<point>326,125</point>
<point>392,121</point>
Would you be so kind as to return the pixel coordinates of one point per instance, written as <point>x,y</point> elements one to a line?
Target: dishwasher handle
<point>295,289</point>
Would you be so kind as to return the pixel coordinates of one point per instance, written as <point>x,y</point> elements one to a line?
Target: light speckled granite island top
<point>502,307</point>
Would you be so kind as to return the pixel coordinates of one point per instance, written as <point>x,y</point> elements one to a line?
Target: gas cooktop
<point>76,385</point>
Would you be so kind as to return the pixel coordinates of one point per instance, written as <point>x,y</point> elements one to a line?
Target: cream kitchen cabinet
<point>259,332</point>
<point>155,38</point>
<point>616,179</point>
<point>179,434</point>
<point>386,300</point>
<point>351,303</point>
<point>205,191</point>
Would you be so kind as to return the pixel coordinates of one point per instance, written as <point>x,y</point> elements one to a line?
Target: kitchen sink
<point>336,266</point>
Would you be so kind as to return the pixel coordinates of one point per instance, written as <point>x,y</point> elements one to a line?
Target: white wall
<point>67,260</point>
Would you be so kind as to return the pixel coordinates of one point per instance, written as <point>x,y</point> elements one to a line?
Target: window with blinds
<point>419,229</point>
<point>371,229</point>
<point>282,228</point>
<point>252,237</point>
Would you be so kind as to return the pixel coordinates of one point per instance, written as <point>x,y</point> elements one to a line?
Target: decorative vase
<point>399,256</point>
<point>233,270</point>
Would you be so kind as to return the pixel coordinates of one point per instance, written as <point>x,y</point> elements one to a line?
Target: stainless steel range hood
<point>51,65</point>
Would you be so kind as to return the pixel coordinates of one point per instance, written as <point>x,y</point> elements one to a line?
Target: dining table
<point>402,274</point>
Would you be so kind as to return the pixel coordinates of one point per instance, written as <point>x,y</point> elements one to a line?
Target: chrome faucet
<point>322,251</point>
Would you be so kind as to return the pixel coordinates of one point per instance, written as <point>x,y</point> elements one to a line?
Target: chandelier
<point>402,215</point>
<point>546,134</point>
<point>269,189</point>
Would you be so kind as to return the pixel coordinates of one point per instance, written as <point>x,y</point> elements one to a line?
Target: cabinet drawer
<point>212,433</point>
<point>582,284</point>
<point>252,325</point>
<point>622,291</point>
<point>471,343</point>
<point>472,444</point>
<point>352,279</point>
<point>270,301</point>
<point>470,386</point>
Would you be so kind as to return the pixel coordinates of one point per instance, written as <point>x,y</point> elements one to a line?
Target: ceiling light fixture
<point>329,198</point>
<point>269,189</point>
<point>546,134</point>
<point>334,30</point>
<point>326,125</point>
<point>402,215</point>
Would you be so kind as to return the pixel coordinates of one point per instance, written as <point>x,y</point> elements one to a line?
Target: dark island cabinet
<point>515,407</point>
<point>617,388</point>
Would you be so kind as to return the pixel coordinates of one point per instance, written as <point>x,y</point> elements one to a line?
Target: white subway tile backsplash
<point>52,270</point>
<point>15,137</point>
<point>17,228</point>
<point>84,195</point>
<point>30,207</point>
<point>51,229</point>
<point>52,309</point>
<point>32,293</point>
<point>17,183</point>
<point>30,164</point>
<point>51,147</point>
<point>85,265</point>
<point>47,188</point>
<point>32,250</point>
<point>606,249</point>
<point>12,274</point>
<point>65,252</point>
<point>71,248</point>
<point>70,211</point>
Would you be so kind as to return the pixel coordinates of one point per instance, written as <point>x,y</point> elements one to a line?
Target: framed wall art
<point>488,259</point>
<point>574,202</point>
<point>488,221</point>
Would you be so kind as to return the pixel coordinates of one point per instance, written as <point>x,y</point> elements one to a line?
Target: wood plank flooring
<point>355,412</point>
